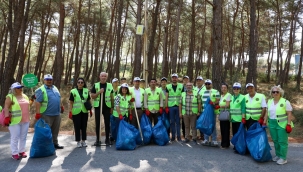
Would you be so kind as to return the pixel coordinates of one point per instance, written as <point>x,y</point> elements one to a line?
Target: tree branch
<point>210,3</point>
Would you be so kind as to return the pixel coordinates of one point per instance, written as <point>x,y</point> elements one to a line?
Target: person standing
<point>105,89</point>
<point>214,97</point>
<point>138,94</point>
<point>255,106</point>
<point>185,81</point>
<point>48,101</point>
<point>279,123</point>
<point>173,95</point>
<point>163,87</point>
<point>153,102</point>
<point>78,112</point>
<point>225,125</point>
<point>199,89</point>
<point>189,107</point>
<point>123,80</point>
<point>116,87</point>
<point>18,104</point>
<point>142,83</point>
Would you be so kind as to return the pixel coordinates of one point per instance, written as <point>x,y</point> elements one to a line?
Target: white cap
<point>208,81</point>
<point>186,77</point>
<point>124,85</point>
<point>16,85</point>
<point>115,80</point>
<point>199,78</point>
<point>174,74</point>
<point>137,79</point>
<point>162,79</point>
<point>250,85</point>
<point>48,76</point>
<point>237,85</point>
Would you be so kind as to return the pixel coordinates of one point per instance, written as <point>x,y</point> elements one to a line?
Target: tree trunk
<point>299,75</point>
<point>190,62</point>
<point>138,44</point>
<point>165,42</point>
<point>174,55</point>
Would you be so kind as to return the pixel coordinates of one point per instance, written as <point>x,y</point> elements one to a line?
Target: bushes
<point>298,116</point>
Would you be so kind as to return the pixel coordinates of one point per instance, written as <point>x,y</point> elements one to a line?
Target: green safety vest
<point>117,91</point>
<point>194,103</point>
<point>254,109</point>
<point>109,88</point>
<point>78,104</point>
<point>199,90</point>
<point>132,91</point>
<point>1,108</point>
<point>44,103</point>
<point>281,115</point>
<point>223,102</point>
<point>212,97</point>
<point>153,100</point>
<point>16,109</point>
<point>174,96</point>
<point>124,105</point>
<point>235,108</point>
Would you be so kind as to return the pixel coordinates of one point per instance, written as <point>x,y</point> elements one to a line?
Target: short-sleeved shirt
<point>272,109</point>
<point>54,100</point>
<point>93,90</point>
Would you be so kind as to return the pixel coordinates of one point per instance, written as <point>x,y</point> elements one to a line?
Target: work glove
<point>90,113</point>
<point>132,99</point>
<point>147,112</point>
<point>161,110</point>
<point>210,102</point>
<point>38,116</point>
<point>217,107</point>
<point>70,115</point>
<point>7,121</point>
<point>243,121</point>
<point>166,110</point>
<point>130,116</point>
<point>261,120</point>
<point>62,109</point>
<point>120,117</point>
<point>288,128</point>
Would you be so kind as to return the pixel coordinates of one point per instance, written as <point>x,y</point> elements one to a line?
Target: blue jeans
<point>214,134</point>
<point>174,121</point>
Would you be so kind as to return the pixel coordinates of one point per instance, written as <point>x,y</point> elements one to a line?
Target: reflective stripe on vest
<point>194,102</point>
<point>153,100</point>
<point>78,104</point>
<point>107,96</point>
<point>124,105</point>
<point>281,115</point>
<point>174,96</point>
<point>16,109</point>
<point>235,108</point>
<point>44,102</point>
<point>254,109</point>
<point>132,91</point>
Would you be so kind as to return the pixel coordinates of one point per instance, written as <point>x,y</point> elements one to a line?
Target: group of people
<point>180,102</point>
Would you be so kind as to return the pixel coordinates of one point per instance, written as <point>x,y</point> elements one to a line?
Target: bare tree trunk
<point>138,44</point>
<point>190,62</point>
<point>174,55</point>
<point>299,75</point>
<point>165,42</point>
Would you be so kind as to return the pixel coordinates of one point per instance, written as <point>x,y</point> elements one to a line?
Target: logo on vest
<point>281,105</point>
<point>257,99</point>
<point>157,93</point>
<point>180,89</point>
<point>237,101</point>
<point>246,101</point>
<point>108,89</point>
<point>148,94</point>
<point>224,100</point>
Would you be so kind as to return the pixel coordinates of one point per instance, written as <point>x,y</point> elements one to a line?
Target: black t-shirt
<point>93,90</point>
<point>71,97</point>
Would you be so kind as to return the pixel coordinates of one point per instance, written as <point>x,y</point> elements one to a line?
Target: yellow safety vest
<point>235,108</point>
<point>281,115</point>
<point>44,103</point>
<point>109,89</point>
<point>194,103</point>
<point>16,109</point>
<point>153,100</point>
<point>254,109</point>
<point>174,96</point>
<point>78,104</point>
<point>132,91</point>
<point>124,105</point>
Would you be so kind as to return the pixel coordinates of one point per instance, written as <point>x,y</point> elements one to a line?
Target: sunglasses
<point>275,92</point>
<point>236,88</point>
<point>80,82</point>
<point>48,79</point>
<point>207,83</point>
<point>19,88</point>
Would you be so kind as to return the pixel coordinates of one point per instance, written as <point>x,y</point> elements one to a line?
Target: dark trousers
<point>250,122</point>
<point>134,120</point>
<point>153,117</point>
<point>80,125</point>
<point>225,130</point>
<point>168,130</point>
<point>235,127</point>
<point>183,127</point>
<point>106,117</point>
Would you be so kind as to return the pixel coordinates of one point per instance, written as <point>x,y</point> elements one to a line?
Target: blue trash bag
<point>206,121</point>
<point>146,128</point>
<point>126,136</point>
<point>165,120</point>
<point>238,140</point>
<point>160,136</point>
<point>257,143</point>
<point>42,144</point>
<point>113,127</point>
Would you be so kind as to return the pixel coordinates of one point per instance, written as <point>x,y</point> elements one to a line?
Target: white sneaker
<point>281,161</point>
<point>276,158</point>
<point>79,145</point>
<point>215,143</point>
<point>84,144</point>
<point>205,142</point>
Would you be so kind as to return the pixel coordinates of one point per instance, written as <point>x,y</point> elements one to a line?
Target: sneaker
<point>186,141</point>
<point>205,142</point>
<point>276,158</point>
<point>281,161</point>
<point>215,143</point>
<point>79,145</point>
<point>22,155</point>
<point>83,144</point>
<point>16,157</point>
<point>97,143</point>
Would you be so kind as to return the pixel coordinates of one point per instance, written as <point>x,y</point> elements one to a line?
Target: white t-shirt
<point>272,109</point>
<point>227,98</point>
<point>137,95</point>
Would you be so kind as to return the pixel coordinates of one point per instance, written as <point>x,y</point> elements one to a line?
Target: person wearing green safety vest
<point>105,89</point>
<point>138,95</point>
<point>255,106</point>
<point>122,105</point>
<point>200,87</point>
<point>18,104</point>
<point>279,122</point>
<point>185,81</point>
<point>214,96</point>
<point>163,87</point>
<point>78,112</point>
<point>173,95</point>
<point>116,87</point>
<point>189,107</point>
<point>48,102</point>
<point>153,102</point>
<point>225,125</point>
<point>237,108</point>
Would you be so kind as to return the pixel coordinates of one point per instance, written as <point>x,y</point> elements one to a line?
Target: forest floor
<point>295,98</point>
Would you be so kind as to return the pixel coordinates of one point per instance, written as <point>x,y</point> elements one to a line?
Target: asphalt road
<point>172,157</point>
